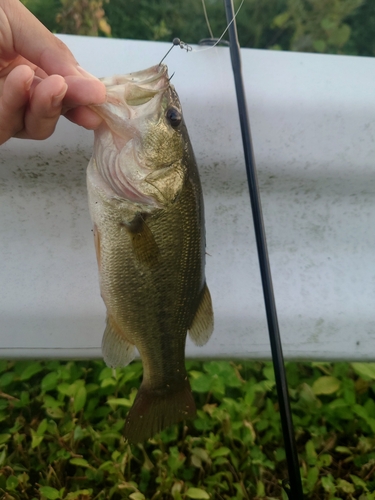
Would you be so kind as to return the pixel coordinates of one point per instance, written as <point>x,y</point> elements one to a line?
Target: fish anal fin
<point>154,410</point>
<point>144,245</point>
<point>203,323</point>
<point>117,351</point>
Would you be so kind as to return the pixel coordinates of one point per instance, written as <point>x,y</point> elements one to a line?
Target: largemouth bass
<point>146,205</point>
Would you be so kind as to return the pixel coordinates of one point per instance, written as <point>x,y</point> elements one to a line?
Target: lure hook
<point>181,44</point>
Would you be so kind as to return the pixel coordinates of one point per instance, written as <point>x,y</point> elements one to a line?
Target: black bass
<point>146,205</point>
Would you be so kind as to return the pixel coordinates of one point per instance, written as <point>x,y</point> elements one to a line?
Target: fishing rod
<point>294,491</point>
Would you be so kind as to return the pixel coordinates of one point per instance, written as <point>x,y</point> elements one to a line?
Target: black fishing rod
<point>294,491</point>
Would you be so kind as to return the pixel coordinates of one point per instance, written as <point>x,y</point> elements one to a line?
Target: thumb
<point>37,44</point>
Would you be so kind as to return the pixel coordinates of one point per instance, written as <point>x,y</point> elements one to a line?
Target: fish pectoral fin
<point>168,183</point>
<point>203,323</point>
<point>144,245</point>
<point>117,351</point>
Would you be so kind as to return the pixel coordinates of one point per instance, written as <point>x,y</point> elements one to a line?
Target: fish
<point>146,205</point>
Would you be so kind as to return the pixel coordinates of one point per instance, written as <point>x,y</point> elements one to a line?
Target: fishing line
<point>226,29</point>
<point>189,48</point>
<point>207,20</point>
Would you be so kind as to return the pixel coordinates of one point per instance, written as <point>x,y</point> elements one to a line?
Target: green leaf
<point>12,483</point>
<point>49,382</point>
<point>6,379</point>
<point>81,462</point>
<point>3,456</point>
<point>358,482</point>
<point>324,460</point>
<point>319,45</point>
<point>175,459</point>
<point>4,438</point>
<point>107,382</point>
<point>280,20</point>
<point>345,486</point>
<point>197,493</point>
<point>221,452</point>
<point>269,373</point>
<point>50,402</point>
<point>201,382</point>
<point>311,453</point>
<point>119,402</point>
<point>42,427</point>
<point>201,454</point>
<point>279,455</point>
<point>80,399</point>
<point>105,373</point>
<point>360,411</point>
<point>365,370</point>
<point>328,24</point>
<point>326,385</point>
<point>79,433</point>
<point>55,412</point>
<point>284,495</point>
<point>24,400</point>
<point>222,373</point>
<point>343,449</point>
<point>312,478</point>
<point>261,490</point>
<point>137,496</point>
<point>49,492</point>
<point>77,495</point>
<point>31,370</point>
<point>35,440</point>
<point>328,484</point>
<point>340,35</point>
<point>65,389</point>
<point>370,407</point>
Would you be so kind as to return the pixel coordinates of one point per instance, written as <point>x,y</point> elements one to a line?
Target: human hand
<point>40,79</point>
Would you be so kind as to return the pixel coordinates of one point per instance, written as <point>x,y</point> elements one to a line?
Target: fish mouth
<point>137,88</point>
<point>133,101</point>
<point>149,76</point>
<point>130,97</point>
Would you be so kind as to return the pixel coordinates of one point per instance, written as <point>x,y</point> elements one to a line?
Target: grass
<point>61,433</point>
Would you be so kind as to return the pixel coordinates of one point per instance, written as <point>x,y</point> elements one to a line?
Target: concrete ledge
<point>312,119</point>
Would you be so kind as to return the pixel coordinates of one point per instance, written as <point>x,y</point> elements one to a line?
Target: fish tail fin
<point>156,409</point>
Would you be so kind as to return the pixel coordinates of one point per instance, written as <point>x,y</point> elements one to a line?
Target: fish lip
<point>132,90</point>
<point>145,77</point>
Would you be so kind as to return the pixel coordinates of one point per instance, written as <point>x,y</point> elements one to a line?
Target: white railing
<point>313,126</point>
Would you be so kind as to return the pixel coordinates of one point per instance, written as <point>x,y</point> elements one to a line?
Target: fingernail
<point>29,82</point>
<point>86,73</point>
<point>57,99</point>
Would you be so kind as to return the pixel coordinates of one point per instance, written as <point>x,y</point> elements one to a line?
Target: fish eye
<point>174,117</point>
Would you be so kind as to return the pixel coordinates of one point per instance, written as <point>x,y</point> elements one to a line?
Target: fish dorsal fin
<point>203,322</point>
<point>144,245</point>
<point>117,351</point>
